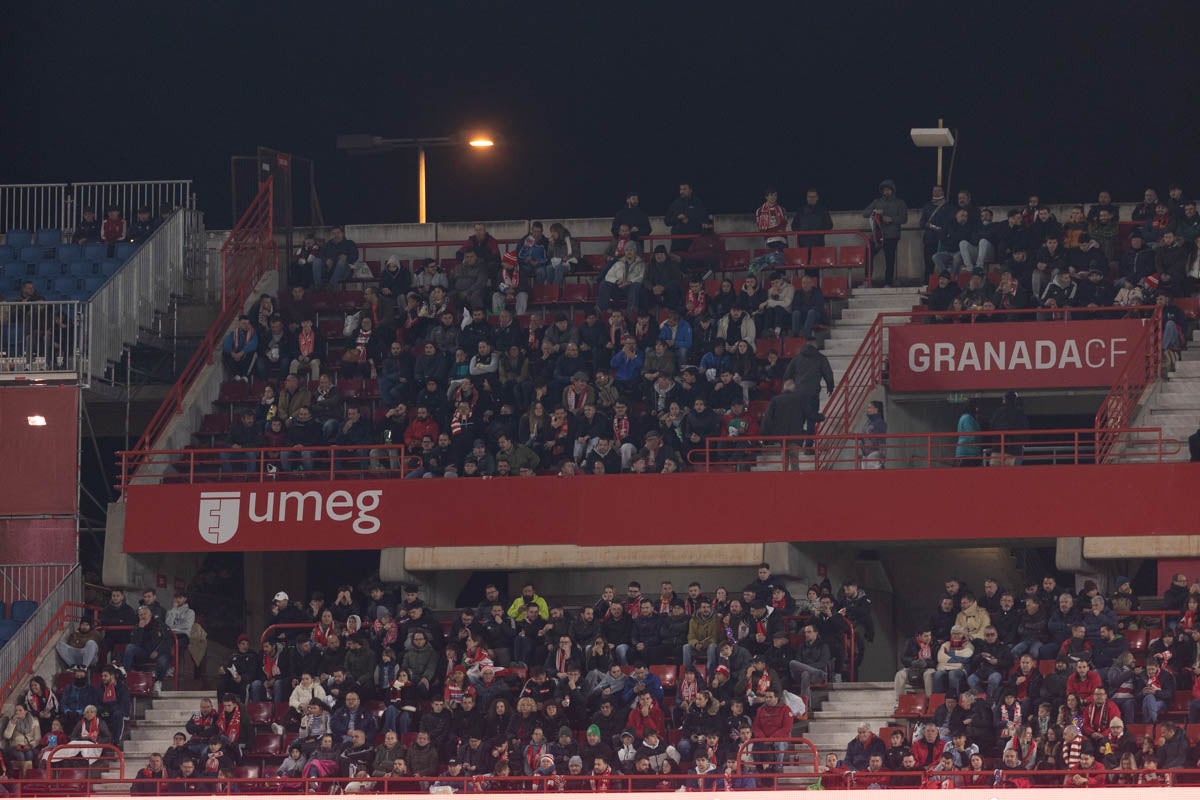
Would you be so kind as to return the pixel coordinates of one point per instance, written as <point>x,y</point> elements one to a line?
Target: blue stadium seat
<point>80,269</point>
<point>69,252</point>
<point>8,629</point>
<point>49,237</point>
<point>125,250</point>
<point>81,295</point>
<point>7,254</point>
<point>109,267</point>
<point>18,238</point>
<point>92,284</point>
<point>95,251</point>
<point>49,269</point>
<point>65,285</point>
<point>31,253</point>
<point>23,609</point>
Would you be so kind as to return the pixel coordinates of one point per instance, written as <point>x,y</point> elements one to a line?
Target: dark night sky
<point>596,98</point>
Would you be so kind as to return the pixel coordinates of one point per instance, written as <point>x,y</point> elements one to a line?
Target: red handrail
<point>928,450</point>
<point>248,252</point>
<point>48,756</point>
<point>24,668</point>
<point>749,752</point>
<point>197,465</point>
<point>865,371</point>
<point>1141,370</point>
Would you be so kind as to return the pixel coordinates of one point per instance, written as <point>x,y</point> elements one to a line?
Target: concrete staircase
<point>846,334</point>
<point>849,705</point>
<point>1175,405</point>
<point>153,730</point>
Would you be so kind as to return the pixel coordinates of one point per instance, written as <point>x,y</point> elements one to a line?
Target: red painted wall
<point>39,473</point>
<point>37,541</point>
<point>676,510</point>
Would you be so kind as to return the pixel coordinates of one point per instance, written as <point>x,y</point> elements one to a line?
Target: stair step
<point>861,686</point>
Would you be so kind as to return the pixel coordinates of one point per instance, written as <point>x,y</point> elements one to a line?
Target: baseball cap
<point>281,597</point>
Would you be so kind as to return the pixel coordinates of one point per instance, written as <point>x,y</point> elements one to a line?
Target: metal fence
<point>45,339</point>
<point>30,581</point>
<point>127,302</point>
<point>30,636</point>
<point>129,196</point>
<point>33,206</point>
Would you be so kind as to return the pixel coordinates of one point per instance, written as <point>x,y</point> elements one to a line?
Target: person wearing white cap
<point>282,612</point>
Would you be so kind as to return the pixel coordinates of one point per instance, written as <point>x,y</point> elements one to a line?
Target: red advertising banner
<point>1010,355</point>
<point>663,510</point>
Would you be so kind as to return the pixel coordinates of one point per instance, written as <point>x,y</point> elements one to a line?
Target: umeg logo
<point>219,515</point>
<point>220,512</point>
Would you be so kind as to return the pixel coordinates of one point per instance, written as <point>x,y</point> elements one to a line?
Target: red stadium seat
<point>795,256</point>
<point>666,674</point>
<point>266,745</point>
<point>576,292</point>
<point>936,701</point>
<point>1138,641</point>
<point>214,425</point>
<point>791,346</point>
<point>835,286</point>
<point>331,327</point>
<point>545,294</point>
<point>911,706</point>
<point>823,257</point>
<point>595,261</point>
<point>351,388</point>
<point>736,260</point>
<point>852,256</point>
<point>1139,730</point>
<point>234,392</point>
<point>260,713</point>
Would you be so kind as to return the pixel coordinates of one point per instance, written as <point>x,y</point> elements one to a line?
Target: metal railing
<point>250,249</point>
<point>46,339</point>
<point>250,255</point>
<point>128,196</point>
<point>144,285</point>
<point>930,450</point>
<point>1120,405</point>
<point>33,206</point>
<point>866,370</point>
<point>737,259</point>
<point>261,464</point>
<point>30,581</point>
<point>20,654</point>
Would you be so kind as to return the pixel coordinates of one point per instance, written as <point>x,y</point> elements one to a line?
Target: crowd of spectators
<point>1044,678</point>
<point>377,687</point>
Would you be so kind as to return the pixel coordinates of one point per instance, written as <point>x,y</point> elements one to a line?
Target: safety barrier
<point>257,465</point>
<point>1119,407</point>
<point>45,340</point>
<point>64,776</point>
<point>33,582</point>
<point>59,206</point>
<point>249,252</point>
<point>19,656</point>
<point>33,206</point>
<point>158,271</point>
<point>932,450</point>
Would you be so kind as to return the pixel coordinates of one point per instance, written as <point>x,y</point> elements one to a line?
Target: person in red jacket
<point>1097,713</point>
<point>419,427</point>
<point>772,219</point>
<point>928,746</point>
<point>645,715</point>
<point>1090,772</point>
<point>1083,681</point>
<point>773,721</point>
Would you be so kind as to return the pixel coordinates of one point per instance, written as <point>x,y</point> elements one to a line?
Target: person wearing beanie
<point>595,747</point>
<point>888,213</point>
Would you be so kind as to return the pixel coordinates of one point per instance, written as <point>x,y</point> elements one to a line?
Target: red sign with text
<point>658,510</point>
<point>1011,355</point>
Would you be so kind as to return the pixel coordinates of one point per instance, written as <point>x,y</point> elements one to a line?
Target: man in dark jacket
<point>812,660</point>
<point>684,216</point>
<point>149,641</point>
<point>990,663</point>
<point>633,216</point>
<point>338,255</point>
<point>812,216</point>
<point>808,307</point>
<point>806,371</point>
<point>934,218</point>
<point>1170,262</point>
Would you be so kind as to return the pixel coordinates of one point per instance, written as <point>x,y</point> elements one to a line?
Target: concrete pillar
<point>264,574</point>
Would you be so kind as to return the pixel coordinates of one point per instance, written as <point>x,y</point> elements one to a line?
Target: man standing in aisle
<point>887,214</point>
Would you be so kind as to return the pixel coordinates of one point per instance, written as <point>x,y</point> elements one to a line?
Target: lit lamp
<point>363,145</point>
<point>939,137</point>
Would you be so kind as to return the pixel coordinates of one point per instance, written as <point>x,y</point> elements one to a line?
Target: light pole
<point>364,145</point>
<point>939,137</point>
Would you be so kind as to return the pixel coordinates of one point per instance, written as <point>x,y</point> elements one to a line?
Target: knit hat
<point>722,670</point>
<point>593,729</point>
<point>565,730</point>
<point>1121,581</point>
<point>242,638</point>
<point>575,761</point>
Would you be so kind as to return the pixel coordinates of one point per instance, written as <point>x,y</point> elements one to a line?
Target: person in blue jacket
<point>239,350</point>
